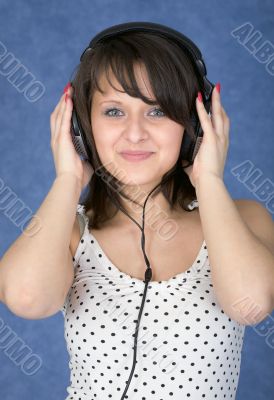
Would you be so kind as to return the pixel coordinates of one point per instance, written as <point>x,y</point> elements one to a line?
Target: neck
<point>157,210</point>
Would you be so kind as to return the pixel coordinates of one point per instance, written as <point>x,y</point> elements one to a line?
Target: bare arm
<point>34,271</point>
<point>242,264</point>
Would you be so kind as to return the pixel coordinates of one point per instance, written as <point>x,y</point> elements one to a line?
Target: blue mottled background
<point>46,38</point>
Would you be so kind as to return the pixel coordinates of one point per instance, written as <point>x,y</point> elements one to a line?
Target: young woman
<point>211,257</point>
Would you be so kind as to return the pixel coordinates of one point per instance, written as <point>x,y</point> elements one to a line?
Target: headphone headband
<point>159,29</point>
<point>146,27</point>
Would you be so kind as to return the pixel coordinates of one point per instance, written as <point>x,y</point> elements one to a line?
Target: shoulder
<point>258,219</point>
<point>252,208</point>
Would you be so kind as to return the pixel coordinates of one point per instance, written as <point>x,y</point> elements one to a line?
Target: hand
<point>66,158</point>
<point>211,156</point>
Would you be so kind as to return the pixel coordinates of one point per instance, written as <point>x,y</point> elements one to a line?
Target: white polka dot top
<point>187,347</point>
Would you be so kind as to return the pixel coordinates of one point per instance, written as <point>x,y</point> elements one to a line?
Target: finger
<point>68,100</point>
<point>60,116</point>
<point>217,114</point>
<point>54,116</point>
<point>56,113</point>
<point>65,122</point>
<point>226,124</point>
<point>205,120</point>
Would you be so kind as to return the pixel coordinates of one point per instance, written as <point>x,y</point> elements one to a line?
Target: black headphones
<point>190,145</point>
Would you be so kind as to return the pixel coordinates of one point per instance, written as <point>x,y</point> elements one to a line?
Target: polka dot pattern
<point>187,346</point>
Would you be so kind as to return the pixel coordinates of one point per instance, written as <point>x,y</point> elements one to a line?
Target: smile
<point>136,157</point>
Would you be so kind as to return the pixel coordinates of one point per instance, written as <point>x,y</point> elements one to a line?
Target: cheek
<point>168,157</point>
<point>106,150</point>
<point>171,147</point>
<point>103,151</point>
<point>101,138</point>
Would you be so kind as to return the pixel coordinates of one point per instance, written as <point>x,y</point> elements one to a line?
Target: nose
<point>135,130</point>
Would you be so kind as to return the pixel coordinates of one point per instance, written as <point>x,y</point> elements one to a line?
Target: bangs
<point>121,62</point>
<point>166,66</point>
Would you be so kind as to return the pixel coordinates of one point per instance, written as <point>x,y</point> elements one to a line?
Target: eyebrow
<point>111,101</point>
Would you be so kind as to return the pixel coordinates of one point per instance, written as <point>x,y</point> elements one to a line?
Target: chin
<point>142,178</point>
<point>134,174</point>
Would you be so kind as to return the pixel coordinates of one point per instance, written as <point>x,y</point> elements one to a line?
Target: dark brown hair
<point>175,86</point>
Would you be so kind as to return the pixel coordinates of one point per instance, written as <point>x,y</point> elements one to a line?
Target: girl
<point>135,95</point>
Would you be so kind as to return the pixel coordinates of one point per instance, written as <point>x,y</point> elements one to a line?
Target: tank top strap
<point>82,218</point>
<point>193,204</point>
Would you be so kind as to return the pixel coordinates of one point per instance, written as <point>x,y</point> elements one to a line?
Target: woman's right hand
<point>66,158</point>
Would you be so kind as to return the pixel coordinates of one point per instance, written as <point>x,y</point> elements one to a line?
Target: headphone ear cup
<point>78,135</point>
<point>185,147</point>
<point>78,138</point>
<point>188,143</point>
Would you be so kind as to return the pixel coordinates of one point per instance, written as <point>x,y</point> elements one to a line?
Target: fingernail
<point>200,98</point>
<point>66,87</point>
<point>66,96</point>
<point>218,87</point>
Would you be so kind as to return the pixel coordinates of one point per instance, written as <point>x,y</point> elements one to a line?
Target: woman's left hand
<point>211,156</point>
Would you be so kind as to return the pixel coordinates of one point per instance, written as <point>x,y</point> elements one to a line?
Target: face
<point>121,122</point>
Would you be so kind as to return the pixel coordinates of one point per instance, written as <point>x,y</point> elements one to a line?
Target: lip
<point>136,155</point>
<point>135,152</point>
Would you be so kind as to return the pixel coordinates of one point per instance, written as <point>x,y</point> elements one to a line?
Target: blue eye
<point>108,110</point>
<point>159,109</point>
<point>116,109</point>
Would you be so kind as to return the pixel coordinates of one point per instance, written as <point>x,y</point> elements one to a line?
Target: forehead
<point>141,77</point>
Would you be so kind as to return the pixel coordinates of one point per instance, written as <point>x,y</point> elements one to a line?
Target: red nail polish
<point>200,98</point>
<point>218,87</point>
<point>66,87</point>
